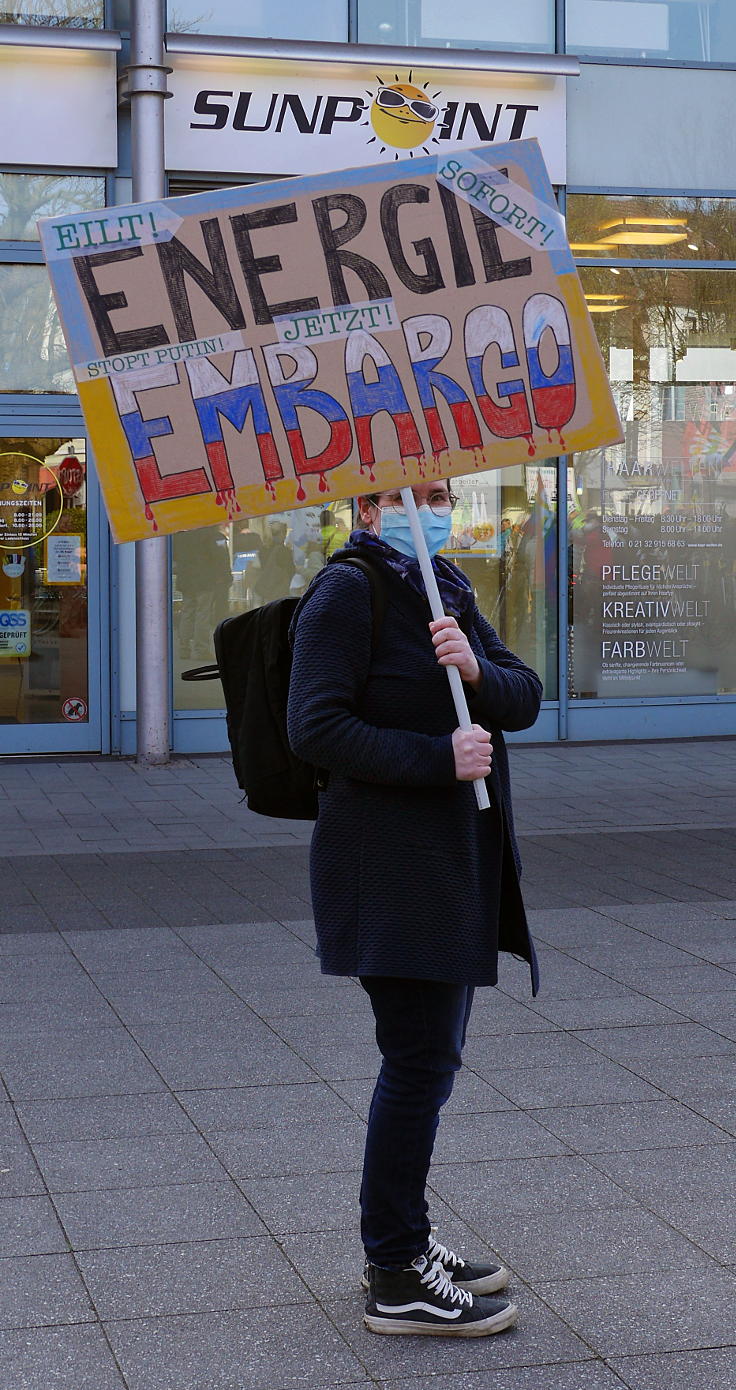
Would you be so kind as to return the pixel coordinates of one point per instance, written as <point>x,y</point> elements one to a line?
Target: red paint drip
<point>219,498</point>
<point>531,446</point>
<point>300,493</point>
<point>229,501</point>
<point>324,486</point>
<point>150,517</point>
<point>270,488</point>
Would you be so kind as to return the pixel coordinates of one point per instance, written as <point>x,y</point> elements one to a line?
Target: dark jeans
<point>420,1030</point>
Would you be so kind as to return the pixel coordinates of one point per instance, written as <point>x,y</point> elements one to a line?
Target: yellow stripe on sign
<point>125,506</point>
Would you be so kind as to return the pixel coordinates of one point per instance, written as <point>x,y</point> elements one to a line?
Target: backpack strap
<point>201,673</point>
<point>377,587</point>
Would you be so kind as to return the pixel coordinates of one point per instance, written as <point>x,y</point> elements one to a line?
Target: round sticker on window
<point>30,501</point>
<point>74,709</point>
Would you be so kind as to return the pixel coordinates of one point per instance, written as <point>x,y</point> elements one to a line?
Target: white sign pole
<point>435,603</point>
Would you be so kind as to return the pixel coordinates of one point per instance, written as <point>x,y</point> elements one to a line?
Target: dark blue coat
<point>408,878</point>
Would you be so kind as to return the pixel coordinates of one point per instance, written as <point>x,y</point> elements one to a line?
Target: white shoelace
<point>445,1256</point>
<point>438,1281</point>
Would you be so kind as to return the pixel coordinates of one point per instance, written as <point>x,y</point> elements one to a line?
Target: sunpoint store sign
<point>253,116</point>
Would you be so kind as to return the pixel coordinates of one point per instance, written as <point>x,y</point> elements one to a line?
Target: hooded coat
<point>409,879</point>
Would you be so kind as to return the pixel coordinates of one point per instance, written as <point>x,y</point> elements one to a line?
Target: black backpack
<point>254,665</point>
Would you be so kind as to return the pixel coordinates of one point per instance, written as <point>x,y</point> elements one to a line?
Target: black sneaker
<point>478,1276</point>
<point>423,1300</point>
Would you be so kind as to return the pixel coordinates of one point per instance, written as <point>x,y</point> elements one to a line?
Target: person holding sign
<point>415,890</point>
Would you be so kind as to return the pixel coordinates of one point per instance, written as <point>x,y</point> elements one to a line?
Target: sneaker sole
<point>492,1284</point>
<point>484,1328</point>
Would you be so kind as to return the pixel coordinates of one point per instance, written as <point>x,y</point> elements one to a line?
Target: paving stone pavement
<point>183,1096</point>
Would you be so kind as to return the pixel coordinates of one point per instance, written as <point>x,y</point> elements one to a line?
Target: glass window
<point>261,19</point>
<point>528,24</point>
<point>219,570</point>
<point>33,354</point>
<point>43,581</point>
<point>652,552</point>
<point>608,226</point>
<point>24,197</point>
<point>702,31</point>
<point>72,14</point>
<point>504,538</point>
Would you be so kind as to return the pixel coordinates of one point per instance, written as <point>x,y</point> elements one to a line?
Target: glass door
<point>52,685</point>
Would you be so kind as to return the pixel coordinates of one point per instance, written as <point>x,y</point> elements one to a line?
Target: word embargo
<point>371,383</point>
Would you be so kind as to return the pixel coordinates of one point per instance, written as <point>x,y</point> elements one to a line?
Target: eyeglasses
<point>441,506</point>
<point>392,101</point>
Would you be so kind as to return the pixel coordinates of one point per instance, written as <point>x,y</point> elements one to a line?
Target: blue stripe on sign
<point>234,405</point>
<point>564,374</point>
<point>368,397</point>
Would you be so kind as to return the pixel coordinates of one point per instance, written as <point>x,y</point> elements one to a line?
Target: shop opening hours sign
<point>257,349</point>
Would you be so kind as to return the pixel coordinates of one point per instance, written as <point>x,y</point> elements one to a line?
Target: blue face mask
<point>396,531</point>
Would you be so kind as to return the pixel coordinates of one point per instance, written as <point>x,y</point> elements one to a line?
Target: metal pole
<point>147,90</point>
<point>435,603</point>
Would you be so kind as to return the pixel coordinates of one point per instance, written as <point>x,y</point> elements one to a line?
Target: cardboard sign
<point>287,344</point>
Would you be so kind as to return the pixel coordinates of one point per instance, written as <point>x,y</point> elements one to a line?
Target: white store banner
<point>254,116</point>
<point>58,106</point>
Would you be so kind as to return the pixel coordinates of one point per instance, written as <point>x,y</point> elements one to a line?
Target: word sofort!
<point>518,397</point>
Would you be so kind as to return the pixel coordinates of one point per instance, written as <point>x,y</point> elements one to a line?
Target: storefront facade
<point>614,574</point>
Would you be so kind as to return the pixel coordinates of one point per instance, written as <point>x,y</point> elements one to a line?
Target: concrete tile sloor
<point>588,1141</point>
<point>29,1226</point>
<point>58,1358</point>
<point>87,1164</point>
<point>648,1124</point>
<point>291,1149</point>
<point>192,1277</point>
<point>39,1290</point>
<point>582,1375</point>
<point>102,1117</point>
<point>253,1349</point>
<point>712,1369</point>
<point>540,1246</point>
<point>136,1216</point>
<point>242,1109</point>
<point>672,1311</point>
<point>19,1175</point>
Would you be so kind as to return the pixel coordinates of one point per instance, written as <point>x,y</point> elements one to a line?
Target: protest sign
<point>261,348</point>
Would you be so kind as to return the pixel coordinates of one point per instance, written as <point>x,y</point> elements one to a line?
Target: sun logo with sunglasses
<point>402,116</point>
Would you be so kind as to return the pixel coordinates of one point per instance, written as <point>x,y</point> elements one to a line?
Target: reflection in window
<point>43,581</point>
<point>33,355</point>
<point>289,19</point>
<point>219,570</point>
<point>528,24</point>
<point>67,14</point>
<point>504,538</point>
<point>702,31</point>
<point>24,197</point>
<point>653,522</point>
<point>612,226</point>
